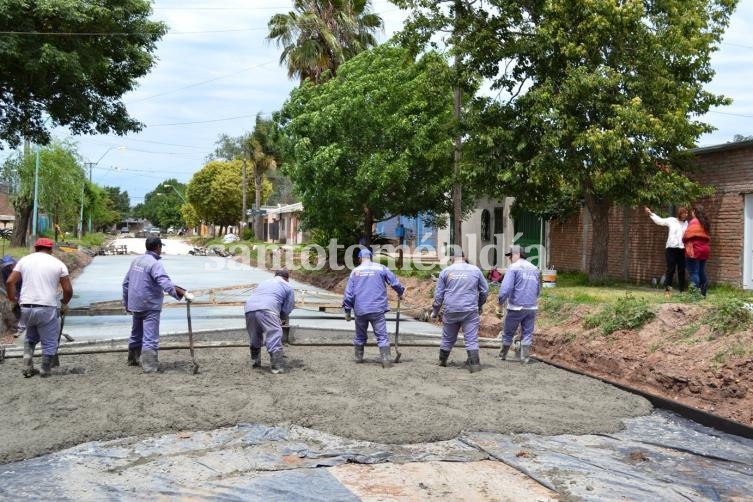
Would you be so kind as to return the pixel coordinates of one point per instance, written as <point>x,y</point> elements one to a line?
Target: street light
<point>176,191</point>
<point>91,166</point>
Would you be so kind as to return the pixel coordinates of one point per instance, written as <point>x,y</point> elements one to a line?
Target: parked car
<point>230,238</point>
<point>155,231</point>
<point>124,230</point>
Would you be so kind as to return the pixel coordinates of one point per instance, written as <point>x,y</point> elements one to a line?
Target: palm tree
<point>262,152</point>
<point>320,35</point>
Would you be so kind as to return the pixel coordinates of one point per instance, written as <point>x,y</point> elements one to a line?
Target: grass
<point>629,314</point>
<point>730,316</point>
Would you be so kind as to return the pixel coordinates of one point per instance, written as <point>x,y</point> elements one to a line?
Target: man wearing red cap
<point>41,274</point>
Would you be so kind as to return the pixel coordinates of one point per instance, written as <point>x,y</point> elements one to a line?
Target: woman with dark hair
<point>697,240</point>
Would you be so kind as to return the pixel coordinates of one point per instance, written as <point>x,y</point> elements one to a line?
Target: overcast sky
<point>216,71</point>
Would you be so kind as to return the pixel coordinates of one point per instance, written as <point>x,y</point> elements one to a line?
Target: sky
<point>216,71</point>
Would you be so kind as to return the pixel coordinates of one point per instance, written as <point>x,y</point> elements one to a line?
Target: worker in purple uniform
<point>366,294</point>
<point>269,304</point>
<point>462,289</point>
<point>520,288</point>
<point>143,289</point>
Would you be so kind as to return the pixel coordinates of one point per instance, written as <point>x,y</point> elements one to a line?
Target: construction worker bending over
<point>462,289</point>
<point>269,304</point>
<point>366,293</point>
<point>143,288</point>
<point>520,288</point>
<point>41,273</point>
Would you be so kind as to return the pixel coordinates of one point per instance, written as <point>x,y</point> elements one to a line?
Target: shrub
<point>628,314</point>
<point>732,315</point>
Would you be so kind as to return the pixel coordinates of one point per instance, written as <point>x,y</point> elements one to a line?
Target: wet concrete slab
<point>102,281</point>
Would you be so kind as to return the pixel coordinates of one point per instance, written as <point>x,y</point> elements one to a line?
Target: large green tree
<point>613,99</point>
<point>215,192</point>
<point>60,182</point>
<point>374,141</point>
<point>69,62</point>
<point>320,35</point>
<point>163,205</point>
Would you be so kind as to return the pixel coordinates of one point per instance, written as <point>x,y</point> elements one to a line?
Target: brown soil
<point>665,358</point>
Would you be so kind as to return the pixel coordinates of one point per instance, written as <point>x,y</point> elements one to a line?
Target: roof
<point>734,145</point>
<point>290,208</point>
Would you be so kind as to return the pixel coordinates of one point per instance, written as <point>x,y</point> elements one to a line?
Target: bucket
<point>550,278</point>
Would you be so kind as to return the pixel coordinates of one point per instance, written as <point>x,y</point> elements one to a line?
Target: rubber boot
<point>359,353</point>
<point>525,354</point>
<point>29,370</point>
<point>474,365</point>
<point>55,361</point>
<point>255,357</point>
<point>46,366</point>
<point>149,361</point>
<point>443,355</point>
<point>133,357</point>
<point>386,357</point>
<point>503,352</point>
<point>278,362</point>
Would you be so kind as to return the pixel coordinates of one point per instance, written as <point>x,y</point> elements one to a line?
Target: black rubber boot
<point>29,370</point>
<point>474,365</point>
<point>46,366</point>
<point>255,357</point>
<point>278,362</point>
<point>443,355</point>
<point>525,354</point>
<point>386,357</point>
<point>503,352</point>
<point>55,361</point>
<point>149,361</point>
<point>133,357</point>
<point>359,353</point>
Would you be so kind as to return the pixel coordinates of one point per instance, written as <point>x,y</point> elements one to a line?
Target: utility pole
<point>457,190</point>
<point>244,188</point>
<point>91,166</point>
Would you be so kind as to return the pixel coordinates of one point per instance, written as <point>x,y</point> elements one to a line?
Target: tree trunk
<point>599,209</point>
<point>368,223</point>
<point>21,224</point>
<point>258,220</point>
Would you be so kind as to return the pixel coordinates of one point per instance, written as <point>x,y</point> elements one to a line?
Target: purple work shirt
<point>145,282</point>
<point>461,287</point>
<point>521,286</point>
<point>274,295</point>
<point>367,289</point>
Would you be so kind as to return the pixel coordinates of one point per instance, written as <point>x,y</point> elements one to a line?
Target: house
<point>282,224</point>
<point>7,211</point>
<point>636,245</point>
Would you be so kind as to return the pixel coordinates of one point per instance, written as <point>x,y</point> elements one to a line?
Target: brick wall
<point>636,249</point>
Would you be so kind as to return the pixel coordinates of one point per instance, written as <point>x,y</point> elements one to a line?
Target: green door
<point>529,225</point>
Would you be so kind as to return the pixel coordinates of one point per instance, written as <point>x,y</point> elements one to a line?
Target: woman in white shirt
<point>675,249</point>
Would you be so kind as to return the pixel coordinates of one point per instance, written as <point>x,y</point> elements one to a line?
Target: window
<point>485,225</point>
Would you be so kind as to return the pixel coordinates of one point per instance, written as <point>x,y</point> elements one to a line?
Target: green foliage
<point>163,206</point>
<point>628,314</point>
<point>374,140</point>
<point>319,35</point>
<point>551,303</point>
<point>74,81</point>
<point>730,316</point>
<point>691,295</point>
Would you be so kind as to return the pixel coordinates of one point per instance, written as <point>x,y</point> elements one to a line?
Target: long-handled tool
<point>194,364</point>
<point>55,358</point>
<point>397,332</point>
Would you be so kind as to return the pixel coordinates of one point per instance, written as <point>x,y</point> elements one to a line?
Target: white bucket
<point>549,278</point>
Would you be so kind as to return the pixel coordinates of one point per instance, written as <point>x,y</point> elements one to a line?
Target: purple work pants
<point>515,318</point>
<point>378,324</point>
<point>264,326</point>
<point>41,324</point>
<point>145,330</point>
<point>451,324</point>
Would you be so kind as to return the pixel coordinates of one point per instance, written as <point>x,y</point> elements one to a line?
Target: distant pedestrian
<point>520,289</point>
<point>697,240</point>
<point>462,289</point>
<point>143,288</point>
<point>674,252</point>
<point>41,273</point>
<point>366,294</point>
<point>400,233</point>
<point>270,303</point>
<point>12,315</point>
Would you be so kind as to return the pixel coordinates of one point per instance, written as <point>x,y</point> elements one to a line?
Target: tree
<point>374,141</point>
<point>61,178</point>
<point>71,62</point>
<point>119,201</point>
<point>613,95</point>
<point>740,137</point>
<point>320,35</point>
<point>163,205</point>
<point>215,192</point>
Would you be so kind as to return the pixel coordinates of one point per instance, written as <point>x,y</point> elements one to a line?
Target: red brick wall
<point>729,169</point>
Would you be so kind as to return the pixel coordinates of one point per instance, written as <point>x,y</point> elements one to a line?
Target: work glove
<point>347,316</point>
<point>434,314</point>
<point>64,309</point>
<point>188,296</point>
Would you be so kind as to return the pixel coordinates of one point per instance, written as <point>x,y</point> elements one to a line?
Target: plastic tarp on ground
<point>657,457</point>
